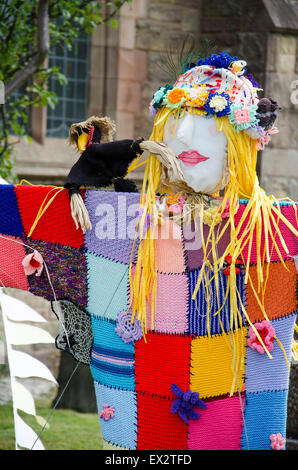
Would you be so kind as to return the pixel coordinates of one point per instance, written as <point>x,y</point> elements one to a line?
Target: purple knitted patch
<point>68,273</point>
<point>193,244</point>
<point>113,217</point>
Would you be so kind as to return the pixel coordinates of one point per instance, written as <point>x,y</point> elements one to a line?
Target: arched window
<point>73,96</point>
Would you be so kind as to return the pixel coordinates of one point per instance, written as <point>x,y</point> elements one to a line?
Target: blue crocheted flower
<point>219,61</point>
<point>128,331</point>
<point>218,103</point>
<point>184,404</point>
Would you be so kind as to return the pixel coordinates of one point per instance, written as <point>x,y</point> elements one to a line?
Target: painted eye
<point>213,130</point>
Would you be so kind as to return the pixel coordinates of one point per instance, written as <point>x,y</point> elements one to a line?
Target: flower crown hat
<point>218,86</point>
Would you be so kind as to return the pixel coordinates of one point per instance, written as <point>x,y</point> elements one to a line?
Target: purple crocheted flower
<point>184,404</point>
<point>128,331</point>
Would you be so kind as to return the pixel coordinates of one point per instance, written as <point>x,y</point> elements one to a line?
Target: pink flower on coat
<point>33,263</point>
<point>266,332</point>
<point>277,441</point>
<point>226,212</point>
<point>107,412</point>
<point>177,208</point>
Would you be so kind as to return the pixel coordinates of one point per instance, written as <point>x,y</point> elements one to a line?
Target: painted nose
<point>186,129</point>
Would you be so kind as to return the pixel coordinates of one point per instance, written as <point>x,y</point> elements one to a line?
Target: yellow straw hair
<point>258,220</point>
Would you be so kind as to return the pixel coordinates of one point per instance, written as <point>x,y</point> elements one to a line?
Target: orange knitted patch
<point>280,297</point>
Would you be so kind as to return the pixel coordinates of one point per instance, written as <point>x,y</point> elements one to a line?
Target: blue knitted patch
<point>265,414</point>
<point>108,283</point>
<point>10,220</point>
<point>263,373</point>
<point>197,317</point>
<point>121,429</point>
<point>112,360</point>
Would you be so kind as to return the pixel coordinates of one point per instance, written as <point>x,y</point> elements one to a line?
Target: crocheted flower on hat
<point>33,263</point>
<point>197,96</point>
<point>107,412</point>
<point>127,330</point>
<point>159,95</point>
<point>218,103</point>
<point>174,99</point>
<point>267,334</point>
<point>277,441</point>
<point>184,404</point>
<point>243,117</point>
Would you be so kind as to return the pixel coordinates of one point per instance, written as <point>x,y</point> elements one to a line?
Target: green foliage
<point>69,430</point>
<point>68,19</point>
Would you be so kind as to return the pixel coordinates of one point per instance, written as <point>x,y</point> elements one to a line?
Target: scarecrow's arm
<point>99,164</point>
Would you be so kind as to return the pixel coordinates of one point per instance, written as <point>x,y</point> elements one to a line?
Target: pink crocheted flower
<point>277,441</point>
<point>267,334</point>
<point>177,208</point>
<point>242,115</point>
<point>33,263</point>
<point>226,212</point>
<point>107,412</point>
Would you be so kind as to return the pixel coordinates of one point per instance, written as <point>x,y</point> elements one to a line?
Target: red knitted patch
<point>158,427</point>
<point>163,360</point>
<point>56,225</point>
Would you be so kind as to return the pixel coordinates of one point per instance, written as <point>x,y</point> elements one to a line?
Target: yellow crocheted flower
<point>218,103</point>
<point>198,96</point>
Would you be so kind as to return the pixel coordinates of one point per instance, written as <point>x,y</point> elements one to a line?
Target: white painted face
<point>201,149</point>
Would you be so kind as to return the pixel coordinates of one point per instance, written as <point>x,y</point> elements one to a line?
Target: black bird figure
<point>103,162</point>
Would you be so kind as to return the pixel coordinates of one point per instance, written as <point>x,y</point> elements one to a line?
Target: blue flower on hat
<point>184,404</point>
<point>219,61</point>
<point>218,103</point>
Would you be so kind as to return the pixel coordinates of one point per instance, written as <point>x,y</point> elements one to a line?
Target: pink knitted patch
<point>289,214</point>
<point>171,303</point>
<point>169,248</point>
<point>219,427</point>
<point>11,257</point>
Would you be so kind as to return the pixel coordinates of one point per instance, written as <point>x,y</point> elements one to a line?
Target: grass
<point>69,430</point>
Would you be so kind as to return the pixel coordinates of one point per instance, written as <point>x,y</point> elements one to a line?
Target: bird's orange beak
<point>82,142</point>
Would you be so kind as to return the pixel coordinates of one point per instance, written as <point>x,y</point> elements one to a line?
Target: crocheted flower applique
<point>227,265</point>
<point>127,330</point>
<point>265,139</point>
<point>277,441</point>
<point>175,98</point>
<point>185,402</point>
<point>33,263</point>
<point>218,103</point>
<point>266,332</point>
<point>243,117</point>
<point>107,412</point>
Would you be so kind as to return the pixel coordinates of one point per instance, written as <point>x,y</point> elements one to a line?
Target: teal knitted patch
<point>108,286</point>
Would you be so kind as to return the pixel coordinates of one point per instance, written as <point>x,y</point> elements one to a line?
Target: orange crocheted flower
<point>176,95</point>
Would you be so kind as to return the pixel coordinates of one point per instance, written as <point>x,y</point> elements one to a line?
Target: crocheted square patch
<point>112,360</point>
<point>199,317</point>
<point>10,220</point>
<point>280,297</point>
<point>118,416</point>
<point>56,224</point>
<point>219,426</point>
<point>194,253</point>
<point>265,414</point>
<point>160,361</point>
<point>263,373</point>
<point>212,363</point>
<point>67,269</point>
<point>158,427</point>
<point>169,248</point>
<point>171,303</point>
<point>11,257</point>
<point>114,218</point>
<point>289,239</point>
<point>108,286</point>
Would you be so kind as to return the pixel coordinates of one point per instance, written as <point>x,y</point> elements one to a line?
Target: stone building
<point>116,71</point>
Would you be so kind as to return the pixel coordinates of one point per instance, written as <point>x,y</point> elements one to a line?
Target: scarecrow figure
<point>102,162</point>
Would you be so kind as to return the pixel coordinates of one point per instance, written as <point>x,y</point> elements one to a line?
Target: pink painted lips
<point>192,158</point>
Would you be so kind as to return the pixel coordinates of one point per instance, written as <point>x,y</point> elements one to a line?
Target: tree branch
<point>43,46</point>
